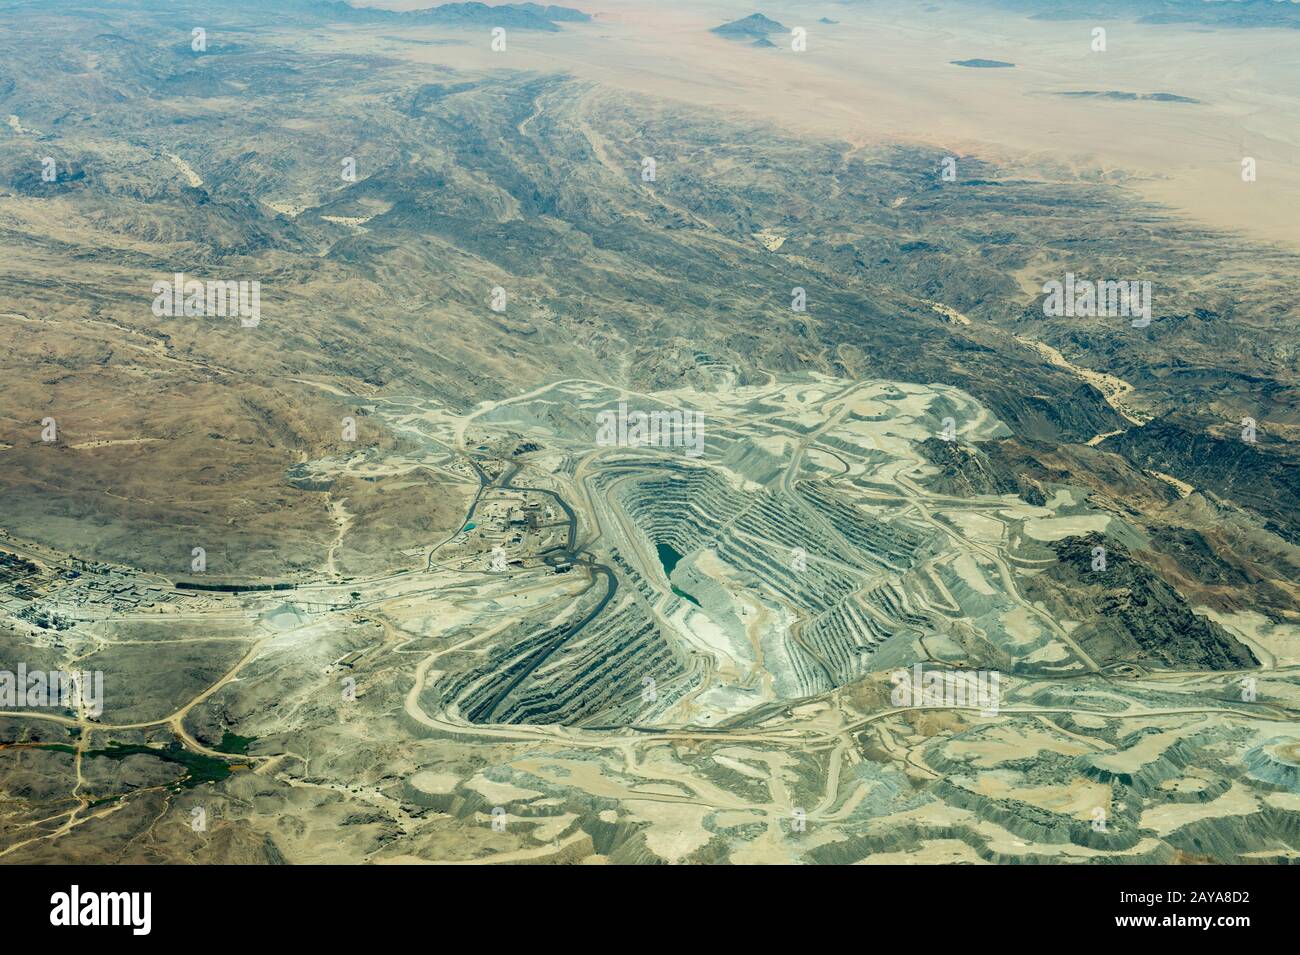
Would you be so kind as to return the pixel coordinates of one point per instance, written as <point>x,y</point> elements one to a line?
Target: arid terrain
<point>648,433</point>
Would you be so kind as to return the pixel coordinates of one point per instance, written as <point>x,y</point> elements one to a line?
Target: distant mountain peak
<point>756,26</point>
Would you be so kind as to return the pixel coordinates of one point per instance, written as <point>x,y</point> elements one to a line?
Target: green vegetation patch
<point>198,768</point>
<point>235,744</point>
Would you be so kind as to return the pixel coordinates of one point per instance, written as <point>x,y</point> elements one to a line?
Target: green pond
<point>670,558</point>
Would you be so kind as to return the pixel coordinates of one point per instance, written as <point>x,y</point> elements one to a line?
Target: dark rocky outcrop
<point>1129,613</point>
